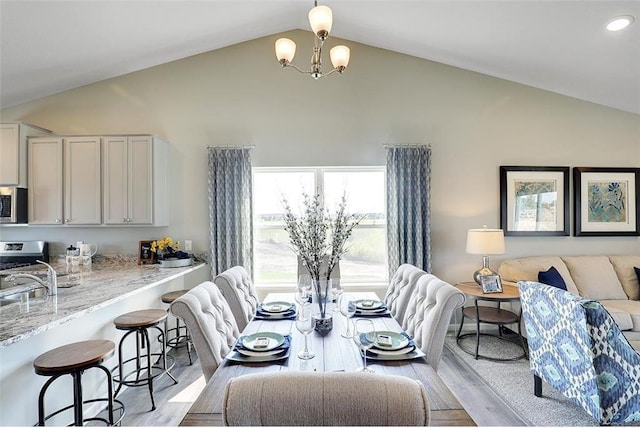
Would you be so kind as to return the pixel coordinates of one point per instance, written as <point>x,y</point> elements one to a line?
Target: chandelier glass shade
<point>321,20</point>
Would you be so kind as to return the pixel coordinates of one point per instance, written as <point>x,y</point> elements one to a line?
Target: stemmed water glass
<point>336,292</point>
<point>348,309</point>
<point>304,324</point>
<point>303,291</point>
<point>364,335</point>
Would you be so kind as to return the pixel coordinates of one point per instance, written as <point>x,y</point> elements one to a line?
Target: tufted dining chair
<point>238,289</point>
<point>293,398</point>
<point>208,317</point>
<point>401,290</point>
<point>429,315</point>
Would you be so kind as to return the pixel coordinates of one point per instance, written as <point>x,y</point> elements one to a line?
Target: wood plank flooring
<point>173,401</point>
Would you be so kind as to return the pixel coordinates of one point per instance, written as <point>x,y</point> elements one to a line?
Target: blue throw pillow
<point>637,273</point>
<point>552,277</point>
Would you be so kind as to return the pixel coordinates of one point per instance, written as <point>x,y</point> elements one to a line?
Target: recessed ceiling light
<point>619,22</point>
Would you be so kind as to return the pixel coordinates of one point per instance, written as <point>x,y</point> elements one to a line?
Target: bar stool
<point>73,359</point>
<point>174,342</point>
<point>140,322</point>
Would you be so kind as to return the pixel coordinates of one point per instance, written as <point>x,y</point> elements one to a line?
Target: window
<point>366,258</point>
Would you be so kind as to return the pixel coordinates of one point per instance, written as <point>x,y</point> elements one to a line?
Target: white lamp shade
<point>285,49</point>
<point>485,241</point>
<point>340,56</point>
<point>321,19</point>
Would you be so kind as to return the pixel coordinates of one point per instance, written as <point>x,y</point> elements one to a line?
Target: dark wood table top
<point>333,353</point>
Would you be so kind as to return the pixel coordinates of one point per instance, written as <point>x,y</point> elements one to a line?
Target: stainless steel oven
<point>13,205</point>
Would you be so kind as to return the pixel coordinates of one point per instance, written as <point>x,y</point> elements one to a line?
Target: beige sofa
<point>609,279</point>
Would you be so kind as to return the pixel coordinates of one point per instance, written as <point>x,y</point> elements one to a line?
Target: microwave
<point>13,205</point>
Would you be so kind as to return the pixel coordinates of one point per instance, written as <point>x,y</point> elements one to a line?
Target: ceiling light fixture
<point>619,22</point>
<point>321,19</point>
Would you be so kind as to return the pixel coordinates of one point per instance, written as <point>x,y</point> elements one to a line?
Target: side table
<point>490,315</point>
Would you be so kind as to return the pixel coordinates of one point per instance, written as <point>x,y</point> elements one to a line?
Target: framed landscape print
<point>606,201</point>
<point>491,283</point>
<point>534,200</point>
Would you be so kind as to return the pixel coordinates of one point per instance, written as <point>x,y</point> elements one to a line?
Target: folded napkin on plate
<point>380,311</point>
<point>378,350</point>
<point>239,346</point>
<point>289,314</point>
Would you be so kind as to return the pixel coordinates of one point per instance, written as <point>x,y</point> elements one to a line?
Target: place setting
<point>261,347</point>
<point>371,308</point>
<point>276,311</point>
<point>383,345</point>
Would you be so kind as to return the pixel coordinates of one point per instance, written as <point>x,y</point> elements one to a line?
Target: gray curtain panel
<point>408,206</point>
<point>230,209</point>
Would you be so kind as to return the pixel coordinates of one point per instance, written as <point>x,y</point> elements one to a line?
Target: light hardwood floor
<point>173,401</point>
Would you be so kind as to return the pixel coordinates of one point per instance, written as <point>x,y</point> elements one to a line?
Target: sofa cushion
<point>626,313</point>
<point>623,265</point>
<point>552,277</point>
<point>595,277</point>
<point>527,268</point>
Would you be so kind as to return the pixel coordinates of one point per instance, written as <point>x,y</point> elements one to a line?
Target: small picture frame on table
<point>491,283</point>
<point>145,255</point>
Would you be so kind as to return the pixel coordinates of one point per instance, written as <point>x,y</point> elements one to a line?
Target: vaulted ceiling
<point>48,46</point>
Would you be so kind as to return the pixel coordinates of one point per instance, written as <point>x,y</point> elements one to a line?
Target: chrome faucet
<point>52,278</point>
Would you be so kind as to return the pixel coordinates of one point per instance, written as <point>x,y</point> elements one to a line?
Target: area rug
<point>513,382</point>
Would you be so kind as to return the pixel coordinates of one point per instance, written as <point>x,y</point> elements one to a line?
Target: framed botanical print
<point>534,200</point>
<point>606,201</point>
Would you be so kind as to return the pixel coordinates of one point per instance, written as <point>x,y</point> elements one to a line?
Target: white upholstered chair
<point>236,286</point>
<point>212,327</point>
<point>400,293</point>
<point>292,398</point>
<point>429,315</point>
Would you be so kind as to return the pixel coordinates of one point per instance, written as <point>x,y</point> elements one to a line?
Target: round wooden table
<point>490,315</point>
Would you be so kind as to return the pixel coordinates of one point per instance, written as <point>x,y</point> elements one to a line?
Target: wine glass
<point>302,296</point>
<point>304,324</point>
<point>336,292</point>
<point>348,309</point>
<point>364,335</point>
<point>304,288</point>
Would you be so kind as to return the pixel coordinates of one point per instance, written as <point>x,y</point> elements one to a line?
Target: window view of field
<point>365,259</point>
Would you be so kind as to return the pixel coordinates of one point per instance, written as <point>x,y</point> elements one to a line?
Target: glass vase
<point>323,319</point>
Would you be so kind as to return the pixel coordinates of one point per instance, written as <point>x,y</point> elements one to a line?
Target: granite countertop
<point>81,289</point>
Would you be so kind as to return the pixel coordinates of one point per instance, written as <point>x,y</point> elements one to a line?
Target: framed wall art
<point>534,200</point>
<point>606,201</point>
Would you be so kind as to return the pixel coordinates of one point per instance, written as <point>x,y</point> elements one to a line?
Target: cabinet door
<point>9,154</point>
<point>115,180</point>
<point>140,180</point>
<point>82,198</point>
<point>45,180</point>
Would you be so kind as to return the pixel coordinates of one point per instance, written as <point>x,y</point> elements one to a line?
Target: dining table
<point>333,353</point>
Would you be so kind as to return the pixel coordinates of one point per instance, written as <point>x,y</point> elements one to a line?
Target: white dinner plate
<point>275,340</point>
<point>398,341</point>
<point>276,307</point>
<point>369,304</point>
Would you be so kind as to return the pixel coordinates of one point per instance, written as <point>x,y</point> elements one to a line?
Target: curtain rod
<point>231,147</point>
<point>388,146</point>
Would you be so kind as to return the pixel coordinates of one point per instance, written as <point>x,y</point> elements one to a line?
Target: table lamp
<point>485,241</point>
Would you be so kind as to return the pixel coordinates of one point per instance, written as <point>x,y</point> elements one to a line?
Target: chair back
<point>238,289</point>
<point>402,288</point>
<point>429,315</point>
<point>213,330</point>
<point>294,398</point>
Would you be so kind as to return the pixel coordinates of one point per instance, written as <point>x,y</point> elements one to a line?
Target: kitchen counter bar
<point>81,291</point>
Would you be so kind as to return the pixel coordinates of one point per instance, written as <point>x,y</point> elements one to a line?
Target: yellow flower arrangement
<point>165,245</point>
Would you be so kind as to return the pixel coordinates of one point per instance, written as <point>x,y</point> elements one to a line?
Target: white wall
<point>239,96</point>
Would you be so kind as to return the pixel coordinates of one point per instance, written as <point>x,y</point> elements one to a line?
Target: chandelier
<point>320,19</point>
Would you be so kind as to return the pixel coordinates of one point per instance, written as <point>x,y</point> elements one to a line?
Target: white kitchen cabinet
<point>65,180</point>
<point>13,152</point>
<point>135,180</point>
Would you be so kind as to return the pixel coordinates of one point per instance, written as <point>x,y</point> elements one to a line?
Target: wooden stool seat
<point>74,359</point>
<point>140,319</point>
<point>173,295</point>
<point>79,355</point>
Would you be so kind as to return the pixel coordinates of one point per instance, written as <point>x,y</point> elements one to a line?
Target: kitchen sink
<point>23,296</point>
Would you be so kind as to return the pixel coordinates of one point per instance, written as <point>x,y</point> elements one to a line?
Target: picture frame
<point>534,200</point>
<point>606,201</point>
<point>491,283</point>
<point>145,255</point>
